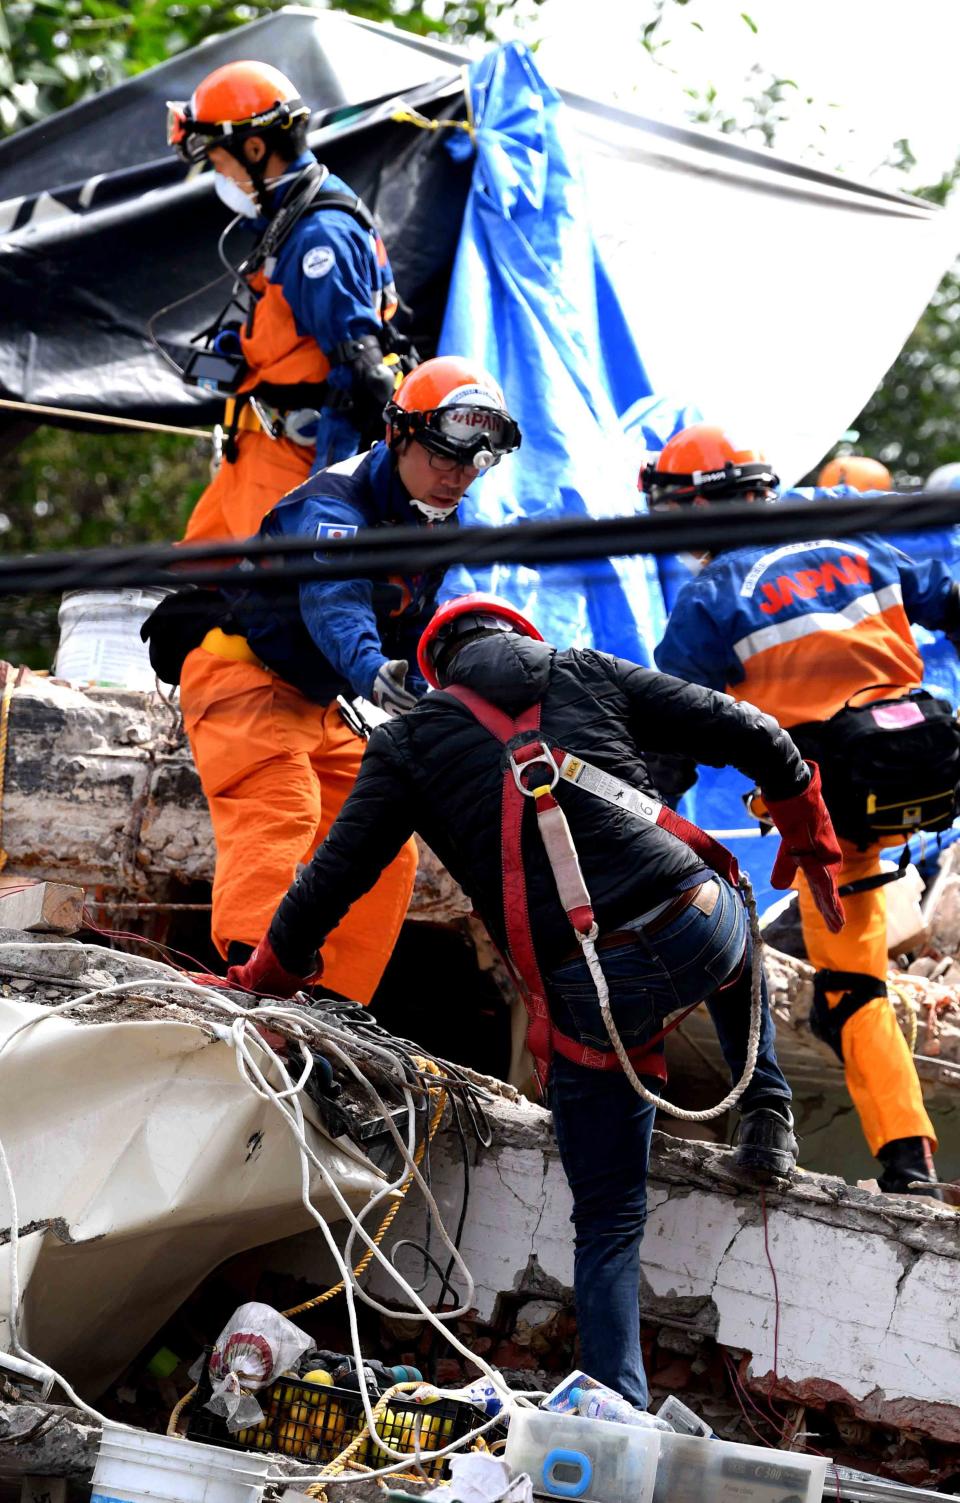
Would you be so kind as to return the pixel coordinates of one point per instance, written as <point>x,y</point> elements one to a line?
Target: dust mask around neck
<point>434,513</point>
<point>231,194</point>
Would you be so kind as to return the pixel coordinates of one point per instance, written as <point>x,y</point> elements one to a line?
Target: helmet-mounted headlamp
<point>194,138</point>
<point>725,483</point>
<point>470,433</point>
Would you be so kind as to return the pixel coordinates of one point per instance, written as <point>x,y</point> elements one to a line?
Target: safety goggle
<point>194,138</point>
<point>719,485</point>
<point>466,432</point>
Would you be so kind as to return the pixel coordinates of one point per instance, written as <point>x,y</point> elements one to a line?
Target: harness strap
<point>858,988</point>
<point>879,879</point>
<point>527,750</point>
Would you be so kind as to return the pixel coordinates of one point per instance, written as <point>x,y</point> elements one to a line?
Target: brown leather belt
<point>703,896</point>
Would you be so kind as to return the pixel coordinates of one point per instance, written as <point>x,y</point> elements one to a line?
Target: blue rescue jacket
<point>799,629</point>
<point>330,637</point>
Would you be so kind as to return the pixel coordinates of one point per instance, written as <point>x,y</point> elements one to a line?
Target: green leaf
<point>749,22</point>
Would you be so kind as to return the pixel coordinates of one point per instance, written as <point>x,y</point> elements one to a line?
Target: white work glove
<point>389,693</point>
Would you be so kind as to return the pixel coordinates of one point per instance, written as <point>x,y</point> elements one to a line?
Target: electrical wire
<point>375,551</point>
<point>254,1057</point>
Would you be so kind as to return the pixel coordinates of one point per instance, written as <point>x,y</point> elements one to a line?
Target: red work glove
<point>808,841</point>
<point>264,974</point>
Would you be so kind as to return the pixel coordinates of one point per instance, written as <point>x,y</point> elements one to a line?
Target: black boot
<point>767,1147</point>
<point>906,1160</point>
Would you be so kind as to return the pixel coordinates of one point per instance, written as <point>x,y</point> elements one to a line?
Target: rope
<point>753,1037</point>
<point>387,1222</point>
<point>423,122</point>
<point>339,1463</point>
<point>109,422</point>
<point>178,1408</point>
<point>8,686</point>
<point>909,1023</point>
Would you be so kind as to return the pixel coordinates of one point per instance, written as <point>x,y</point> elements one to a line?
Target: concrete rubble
<point>101,790</point>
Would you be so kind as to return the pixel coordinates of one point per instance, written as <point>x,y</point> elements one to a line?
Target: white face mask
<point>434,513</point>
<point>693,561</point>
<point>231,194</point>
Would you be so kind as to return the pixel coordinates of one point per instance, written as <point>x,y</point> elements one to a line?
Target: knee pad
<point>826,1022</point>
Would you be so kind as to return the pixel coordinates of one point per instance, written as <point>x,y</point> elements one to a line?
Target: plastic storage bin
<point>135,1466</point>
<point>568,1456</point>
<point>314,1423</point>
<point>692,1470</point>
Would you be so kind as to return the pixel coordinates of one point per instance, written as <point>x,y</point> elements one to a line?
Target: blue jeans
<point>603,1127</point>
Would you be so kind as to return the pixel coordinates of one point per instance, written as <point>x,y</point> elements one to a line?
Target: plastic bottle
<point>594,1404</point>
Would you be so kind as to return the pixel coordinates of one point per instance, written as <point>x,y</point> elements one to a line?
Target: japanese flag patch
<point>336,530</point>
<point>318,261</point>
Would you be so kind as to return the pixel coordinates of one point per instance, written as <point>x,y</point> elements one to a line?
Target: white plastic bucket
<point>100,637</point>
<point>135,1466</point>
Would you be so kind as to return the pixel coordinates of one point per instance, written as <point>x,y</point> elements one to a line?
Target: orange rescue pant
<point>881,1075</point>
<point>240,494</point>
<point>276,770</point>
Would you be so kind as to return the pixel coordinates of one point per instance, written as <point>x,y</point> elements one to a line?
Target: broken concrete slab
<point>861,1318</point>
<point>101,790</point>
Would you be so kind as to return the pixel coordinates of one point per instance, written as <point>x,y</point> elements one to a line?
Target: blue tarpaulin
<point>531,299</point>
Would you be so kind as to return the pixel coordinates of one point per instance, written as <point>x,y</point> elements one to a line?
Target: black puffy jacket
<point>438,772</point>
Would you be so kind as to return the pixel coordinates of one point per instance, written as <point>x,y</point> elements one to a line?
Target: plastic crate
<point>314,1423</point>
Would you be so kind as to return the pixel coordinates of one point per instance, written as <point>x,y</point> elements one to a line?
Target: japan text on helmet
<point>857,471</point>
<point>702,461</point>
<point>455,408</point>
<point>457,621</point>
<point>230,104</point>
<point>946,477</point>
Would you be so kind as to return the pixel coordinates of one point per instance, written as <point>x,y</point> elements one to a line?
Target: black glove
<point>178,625</point>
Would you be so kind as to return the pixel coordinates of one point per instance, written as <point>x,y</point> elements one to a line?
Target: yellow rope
<point>428,1066</point>
<point>339,1462</point>
<point>441,1102</point>
<point>178,1409</point>
<point>423,122</point>
<point>910,1026</point>
<point>4,736</point>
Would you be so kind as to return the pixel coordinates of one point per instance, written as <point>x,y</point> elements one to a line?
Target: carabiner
<point>545,757</point>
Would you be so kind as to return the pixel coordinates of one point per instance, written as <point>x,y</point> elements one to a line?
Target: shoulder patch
<point>318,261</point>
<point>336,530</point>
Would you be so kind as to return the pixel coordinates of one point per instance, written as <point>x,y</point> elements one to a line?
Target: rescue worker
<point>302,341</point>
<point>856,471</point>
<point>809,633</point>
<point>672,930</point>
<point>259,695</point>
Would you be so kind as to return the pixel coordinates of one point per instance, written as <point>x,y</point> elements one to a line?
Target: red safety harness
<point>526,749</point>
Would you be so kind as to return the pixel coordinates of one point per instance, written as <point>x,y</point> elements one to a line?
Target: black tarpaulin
<point>104,225</point>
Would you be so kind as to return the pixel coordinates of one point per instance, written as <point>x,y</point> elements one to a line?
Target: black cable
<point>384,551</point>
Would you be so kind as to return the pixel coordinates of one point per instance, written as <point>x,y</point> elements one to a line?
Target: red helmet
<point>857,471</point>
<point>467,616</point>
<point>703,461</point>
<point>232,102</point>
<point>453,407</point>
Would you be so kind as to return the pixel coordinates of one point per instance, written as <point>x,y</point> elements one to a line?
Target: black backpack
<point>888,768</point>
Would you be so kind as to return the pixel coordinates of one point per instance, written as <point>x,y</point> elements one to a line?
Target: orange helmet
<point>457,620</point>
<point>703,461</point>
<point>858,471</point>
<point>231,103</point>
<point>453,407</point>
